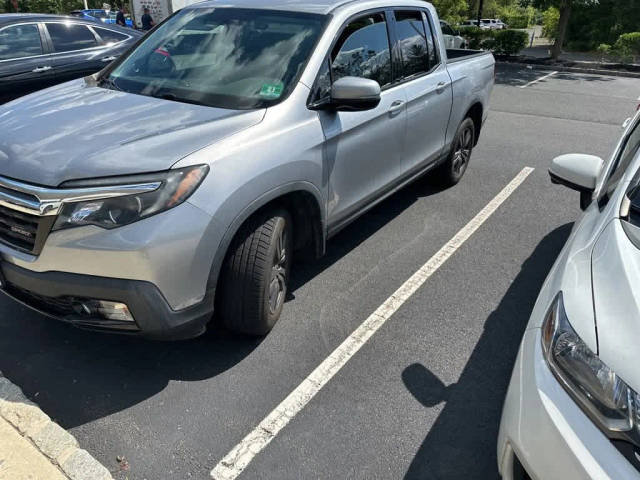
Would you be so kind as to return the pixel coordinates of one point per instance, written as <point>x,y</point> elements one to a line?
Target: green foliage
<point>629,42</point>
<point>550,19</point>
<point>509,42</point>
<point>517,17</point>
<point>52,6</point>
<point>451,11</point>
<point>476,37</point>
<point>602,22</point>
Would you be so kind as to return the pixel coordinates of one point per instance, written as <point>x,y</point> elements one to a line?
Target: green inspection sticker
<point>271,90</point>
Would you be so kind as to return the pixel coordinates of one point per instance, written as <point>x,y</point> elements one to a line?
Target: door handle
<point>440,87</point>
<point>41,69</point>
<point>396,107</point>
<point>108,59</point>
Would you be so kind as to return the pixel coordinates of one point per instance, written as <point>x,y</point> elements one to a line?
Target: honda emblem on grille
<point>21,231</point>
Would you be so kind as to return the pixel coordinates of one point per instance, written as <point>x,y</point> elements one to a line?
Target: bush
<point>515,17</point>
<point>550,19</point>
<point>510,42</point>
<point>476,36</point>
<point>628,44</point>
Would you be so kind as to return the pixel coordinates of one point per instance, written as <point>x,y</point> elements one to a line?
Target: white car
<point>473,23</point>
<point>493,23</point>
<point>452,38</point>
<point>572,409</point>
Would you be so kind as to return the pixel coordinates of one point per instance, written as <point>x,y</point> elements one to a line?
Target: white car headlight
<point>606,399</point>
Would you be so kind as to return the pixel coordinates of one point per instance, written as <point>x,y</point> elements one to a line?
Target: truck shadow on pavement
<point>461,444</point>
<point>78,376</point>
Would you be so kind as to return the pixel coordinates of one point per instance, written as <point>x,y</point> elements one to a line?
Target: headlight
<point>175,187</point>
<point>608,401</point>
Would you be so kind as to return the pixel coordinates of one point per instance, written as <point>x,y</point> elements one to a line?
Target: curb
<point>560,68</point>
<point>49,438</point>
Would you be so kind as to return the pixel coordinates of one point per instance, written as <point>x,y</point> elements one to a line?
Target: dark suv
<point>37,51</point>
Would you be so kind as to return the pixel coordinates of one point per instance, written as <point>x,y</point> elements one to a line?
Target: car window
<point>67,37</point>
<point>238,58</point>
<point>362,50</point>
<point>625,156</point>
<point>18,41</point>
<point>446,29</point>
<point>109,36</point>
<point>412,39</point>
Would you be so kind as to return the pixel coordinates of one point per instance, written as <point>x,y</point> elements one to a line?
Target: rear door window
<point>67,37</point>
<point>110,37</point>
<point>412,39</point>
<point>363,50</point>
<point>19,41</point>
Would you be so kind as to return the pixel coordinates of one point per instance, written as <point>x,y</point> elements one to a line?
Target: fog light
<point>114,311</point>
<point>105,309</point>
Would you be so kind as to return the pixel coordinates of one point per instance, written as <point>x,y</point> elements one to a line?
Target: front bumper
<point>544,430</point>
<point>56,293</point>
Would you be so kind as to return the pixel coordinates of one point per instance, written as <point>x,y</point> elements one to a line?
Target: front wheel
<point>255,275</point>
<point>452,170</point>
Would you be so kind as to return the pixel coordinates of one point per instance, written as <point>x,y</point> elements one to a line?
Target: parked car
<point>191,172</point>
<point>37,51</point>
<point>99,15</point>
<point>493,23</point>
<point>452,38</point>
<point>473,23</point>
<point>572,409</point>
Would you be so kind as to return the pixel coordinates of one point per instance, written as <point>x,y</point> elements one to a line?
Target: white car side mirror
<point>577,171</point>
<point>626,122</point>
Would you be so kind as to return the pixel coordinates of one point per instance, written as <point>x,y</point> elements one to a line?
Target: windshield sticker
<point>271,90</point>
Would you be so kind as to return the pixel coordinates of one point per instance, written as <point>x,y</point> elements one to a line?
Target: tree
<point>564,7</point>
<point>452,11</point>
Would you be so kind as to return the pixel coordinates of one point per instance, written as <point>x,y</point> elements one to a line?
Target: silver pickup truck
<point>232,140</point>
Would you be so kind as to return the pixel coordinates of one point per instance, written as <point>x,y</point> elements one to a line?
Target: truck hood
<point>75,131</point>
<point>616,297</point>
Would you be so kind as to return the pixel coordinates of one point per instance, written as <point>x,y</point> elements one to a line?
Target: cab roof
<point>309,6</point>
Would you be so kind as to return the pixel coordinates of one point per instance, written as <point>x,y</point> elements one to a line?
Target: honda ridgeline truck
<point>234,138</point>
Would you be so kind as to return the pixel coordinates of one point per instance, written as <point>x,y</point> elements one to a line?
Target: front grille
<point>23,231</point>
<point>56,306</point>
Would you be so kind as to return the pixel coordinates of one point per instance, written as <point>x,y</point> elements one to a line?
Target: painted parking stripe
<point>538,79</point>
<point>232,465</point>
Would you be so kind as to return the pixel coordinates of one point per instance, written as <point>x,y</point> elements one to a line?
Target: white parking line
<point>538,79</point>
<point>242,454</point>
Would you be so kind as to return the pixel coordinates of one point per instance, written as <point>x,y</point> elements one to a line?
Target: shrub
<point>550,19</point>
<point>603,49</point>
<point>515,17</point>
<point>510,42</point>
<point>476,36</point>
<point>628,45</point>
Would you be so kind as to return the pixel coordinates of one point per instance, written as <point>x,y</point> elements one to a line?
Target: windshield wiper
<point>110,83</point>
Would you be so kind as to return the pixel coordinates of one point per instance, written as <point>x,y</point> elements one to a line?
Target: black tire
<point>253,283</point>
<point>452,170</point>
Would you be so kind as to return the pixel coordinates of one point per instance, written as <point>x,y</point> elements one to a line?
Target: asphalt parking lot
<point>422,398</point>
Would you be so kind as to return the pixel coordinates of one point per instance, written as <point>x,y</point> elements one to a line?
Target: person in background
<point>147,21</point>
<point>120,20</point>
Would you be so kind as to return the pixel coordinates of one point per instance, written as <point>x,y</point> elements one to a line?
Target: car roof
<point>17,17</point>
<point>308,6</point>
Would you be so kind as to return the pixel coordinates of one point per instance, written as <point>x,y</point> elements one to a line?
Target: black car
<point>37,51</point>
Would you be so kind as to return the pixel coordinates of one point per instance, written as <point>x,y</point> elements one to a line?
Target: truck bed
<point>459,54</point>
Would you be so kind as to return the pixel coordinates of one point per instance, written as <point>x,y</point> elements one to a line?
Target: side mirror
<point>626,122</point>
<point>355,94</point>
<point>577,171</point>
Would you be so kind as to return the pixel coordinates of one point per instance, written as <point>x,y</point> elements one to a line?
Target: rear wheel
<point>255,274</point>
<point>452,170</point>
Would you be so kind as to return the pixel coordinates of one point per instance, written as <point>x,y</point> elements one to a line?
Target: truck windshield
<point>221,57</point>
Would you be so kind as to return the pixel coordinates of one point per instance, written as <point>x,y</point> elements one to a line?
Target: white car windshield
<point>222,57</point>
